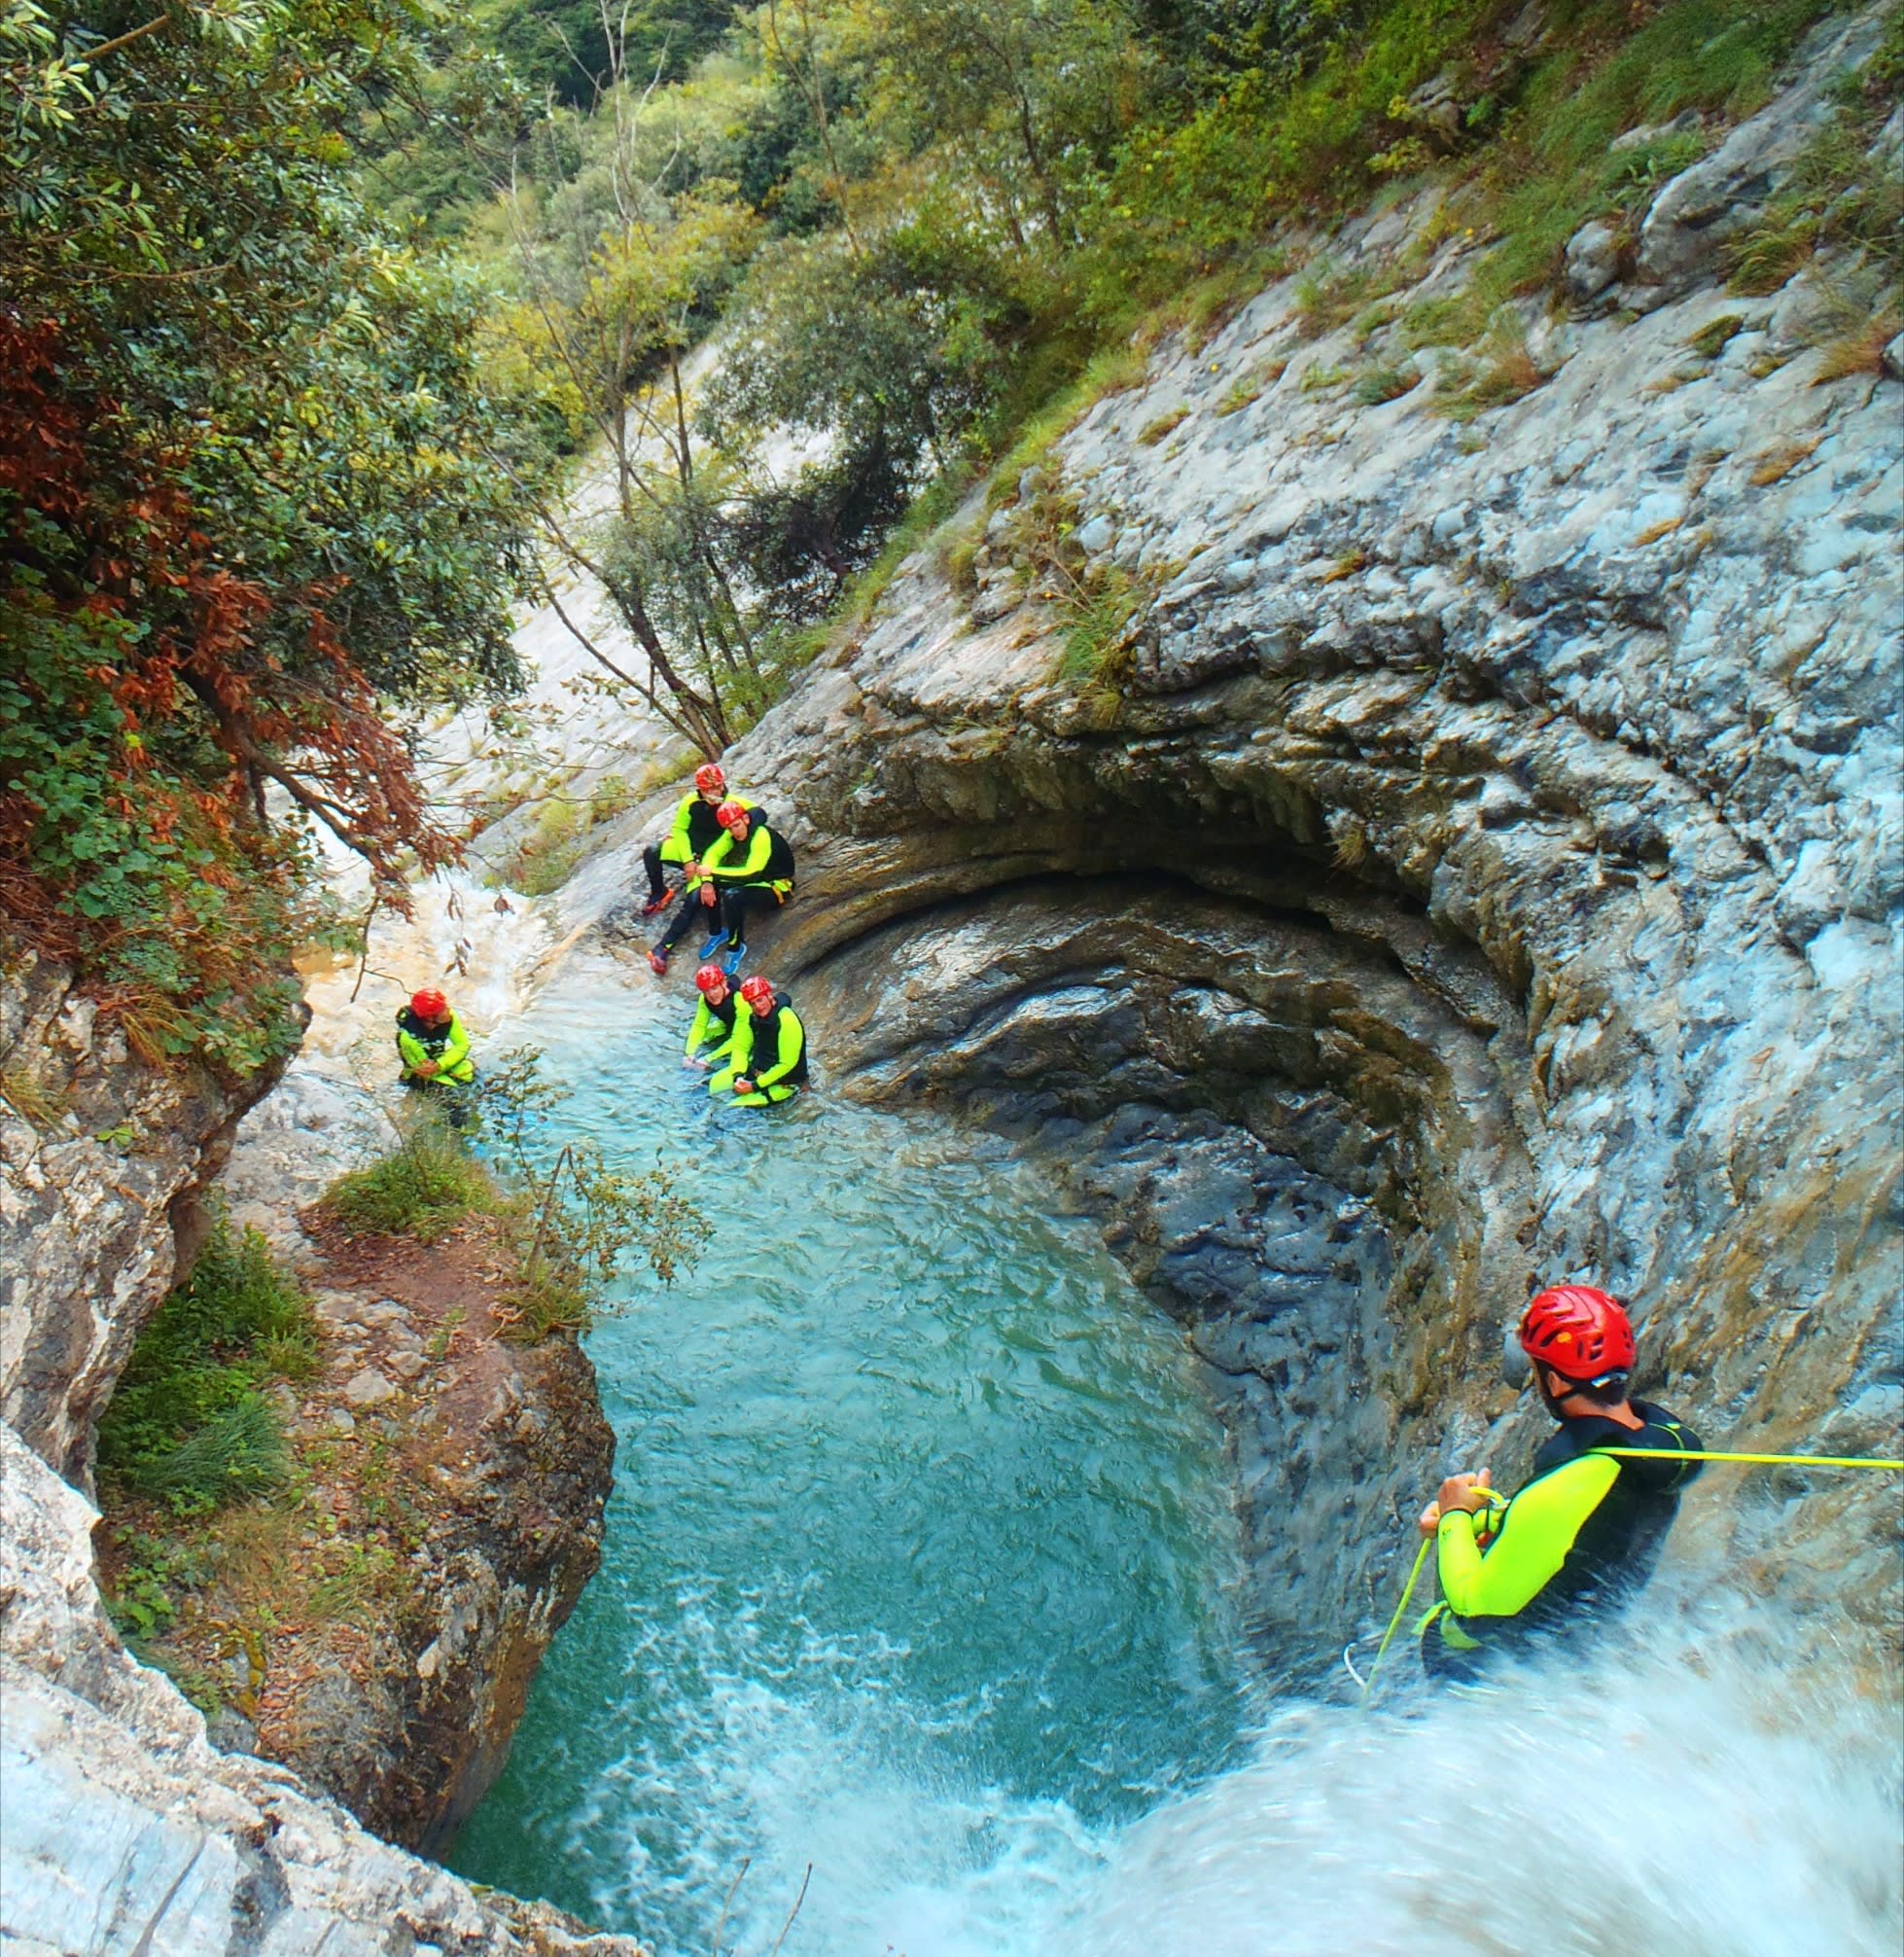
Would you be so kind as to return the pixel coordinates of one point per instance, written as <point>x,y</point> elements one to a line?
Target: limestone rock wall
<point>1479,865</point>
<point>126,1832</point>
<point>99,1155</point>
<point>124,1829</point>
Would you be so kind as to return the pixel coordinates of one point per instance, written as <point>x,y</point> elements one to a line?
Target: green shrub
<point>426,1185</point>
<point>190,1424</point>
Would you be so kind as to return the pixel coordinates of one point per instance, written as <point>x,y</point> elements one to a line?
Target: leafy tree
<point>247,495</point>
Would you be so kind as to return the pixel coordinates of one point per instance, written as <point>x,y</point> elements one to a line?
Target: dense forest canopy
<point>310,309</point>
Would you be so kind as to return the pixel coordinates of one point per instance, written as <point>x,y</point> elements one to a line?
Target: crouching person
<point>434,1053</point>
<point>710,1037</point>
<point>766,1061</point>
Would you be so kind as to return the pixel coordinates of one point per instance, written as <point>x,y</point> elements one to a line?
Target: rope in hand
<point>1620,1454</point>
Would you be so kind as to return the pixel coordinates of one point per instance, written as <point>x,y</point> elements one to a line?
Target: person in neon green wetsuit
<point>434,1053</point>
<point>751,868</point>
<point>1586,1532</point>
<point>766,1063</point>
<point>715,1013</point>
<point>698,832</point>
<point>691,834</point>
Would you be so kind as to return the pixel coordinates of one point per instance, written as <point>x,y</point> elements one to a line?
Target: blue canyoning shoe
<point>713,945</point>
<point>731,963</point>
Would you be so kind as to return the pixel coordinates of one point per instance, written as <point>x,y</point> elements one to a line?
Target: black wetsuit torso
<point>1619,1544</point>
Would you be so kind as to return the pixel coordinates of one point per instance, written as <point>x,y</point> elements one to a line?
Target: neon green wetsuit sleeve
<point>454,1063</point>
<point>792,1043</point>
<point>1532,1537</point>
<point>739,1052</point>
<point>675,848</point>
<point>722,865</point>
<point>707,1027</point>
<point>411,1050</point>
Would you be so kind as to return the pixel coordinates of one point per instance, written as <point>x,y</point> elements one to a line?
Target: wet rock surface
<point>125,1831</point>
<point>1479,864</point>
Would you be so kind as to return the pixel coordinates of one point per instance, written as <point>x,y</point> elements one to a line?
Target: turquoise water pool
<point>920,1565</point>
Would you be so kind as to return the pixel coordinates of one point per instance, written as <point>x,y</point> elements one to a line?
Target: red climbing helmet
<point>708,778</point>
<point>758,993</point>
<point>730,814</point>
<point>428,1004</point>
<point>1582,1334</point>
<point>711,980</point>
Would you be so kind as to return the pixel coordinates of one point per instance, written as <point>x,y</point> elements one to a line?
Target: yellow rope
<point>1401,1610</point>
<point>1750,1460</point>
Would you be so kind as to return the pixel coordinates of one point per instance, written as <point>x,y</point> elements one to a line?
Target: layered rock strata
<point>1478,862</point>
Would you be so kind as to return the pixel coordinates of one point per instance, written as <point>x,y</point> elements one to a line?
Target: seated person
<point>713,1018</point>
<point>766,1063</point>
<point>749,868</point>
<point>691,835</point>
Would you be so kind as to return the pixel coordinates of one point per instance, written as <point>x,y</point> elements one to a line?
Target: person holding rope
<point>1588,1529</point>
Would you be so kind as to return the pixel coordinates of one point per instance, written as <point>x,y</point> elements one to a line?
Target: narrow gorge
<point>1285,870</point>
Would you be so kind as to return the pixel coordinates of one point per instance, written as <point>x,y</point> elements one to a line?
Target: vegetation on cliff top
<point>562,1218</point>
<point>190,1424</point>
<point>310,302</point>
<point>249,497</point>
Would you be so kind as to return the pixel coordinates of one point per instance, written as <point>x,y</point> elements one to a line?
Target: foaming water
<point>920,1569</point>
<point>1696,1800</point>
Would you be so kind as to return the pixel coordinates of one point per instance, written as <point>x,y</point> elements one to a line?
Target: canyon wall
<point>1468,858</point>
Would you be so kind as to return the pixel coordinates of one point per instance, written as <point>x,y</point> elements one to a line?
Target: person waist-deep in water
<point>711,1036</point>
<point>1585,1532</point>
<point>695,830</point>
<point>749,868</point>
<point>433,1052</point>
<point>766,1060</point>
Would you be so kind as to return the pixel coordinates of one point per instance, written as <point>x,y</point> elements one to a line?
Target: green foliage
<point>422,1189</point>
<point>546,858</point>
<point>189,1423</point>
<point>1833,196</point>
<point>1378,385</point>
<point>151,1571</point>
<point>258,500</point>
<point>1710,340</point>
<point>578,1219</point>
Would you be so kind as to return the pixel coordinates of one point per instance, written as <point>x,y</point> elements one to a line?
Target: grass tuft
<point>1167,423</point>
<point>1711,338</point>
<point>423,1188</point>
<point>190,1424</point>
<point>1385,383</point>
